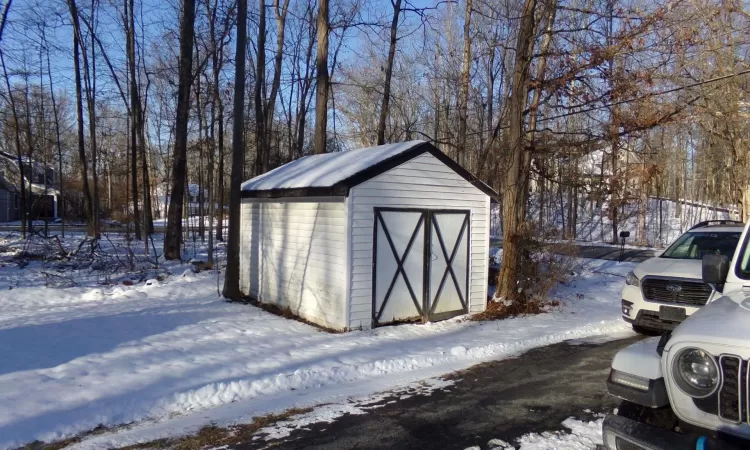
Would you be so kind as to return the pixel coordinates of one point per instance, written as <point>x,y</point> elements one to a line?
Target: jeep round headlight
<point>696,373</point>
<point>632,280</point>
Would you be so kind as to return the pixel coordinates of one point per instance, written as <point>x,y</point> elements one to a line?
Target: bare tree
<point>463,99</point>
<point>91,218</point>
<point>323,82</point>
<point>173,236</point>
<point>389,71</point>
<point>516,176</point>
<point>232,279</point>
<point>58,139</point>
<point>134,110</point>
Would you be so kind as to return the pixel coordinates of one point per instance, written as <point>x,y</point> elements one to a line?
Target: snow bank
<point>581,436</point>
<point>172,356</point>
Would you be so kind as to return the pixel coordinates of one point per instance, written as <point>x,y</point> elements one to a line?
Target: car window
<point>696,245</point>
<point>742,270</point>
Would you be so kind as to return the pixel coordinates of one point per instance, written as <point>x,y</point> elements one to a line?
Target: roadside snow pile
<point>170,356</point>
<point>582,436</point>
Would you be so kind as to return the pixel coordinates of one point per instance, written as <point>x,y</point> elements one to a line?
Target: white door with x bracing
<point>420,264</point>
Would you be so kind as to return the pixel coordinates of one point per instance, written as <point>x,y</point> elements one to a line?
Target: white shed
<point>367,237</point>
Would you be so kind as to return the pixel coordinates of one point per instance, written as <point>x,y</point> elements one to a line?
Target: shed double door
<point>420,264</point>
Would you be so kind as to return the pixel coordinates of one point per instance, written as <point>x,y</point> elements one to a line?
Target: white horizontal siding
<point>425,183</point>
<point>294,255</point>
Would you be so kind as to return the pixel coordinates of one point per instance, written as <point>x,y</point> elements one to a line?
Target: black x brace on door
<point>413,248</point>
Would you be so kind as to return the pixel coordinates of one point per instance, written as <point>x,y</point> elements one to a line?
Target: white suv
<point>690,388</point>
<point>662,291</point>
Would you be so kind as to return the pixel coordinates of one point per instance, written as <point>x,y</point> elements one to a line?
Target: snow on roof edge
<point>323,171</point>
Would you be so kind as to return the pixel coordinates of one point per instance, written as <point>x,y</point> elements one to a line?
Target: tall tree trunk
<point>614,133</point>
<point>280,14</point>
<point>220,222</point>
<point>43,138</point>
<point>642,205</point>
<point>490,95</point>
<point>179,159</point>
<point>463,96</point>
<point>216,62</point>
<point>211,161</point>
<point>389,72</point>
<point>90,74</point>
<point>304,103</point>
<point>261,165</point>
<point>61,199</point>
<point>232,280</point>
<point>134,116</point>
<point>542,195</point>
<point>17,141</point>
<point>513,189</point>
<point>550,13</point>
<point>322,81</point>
<point>29,154</point>
<point>574,218</point>
<point>201,150</point>
<point>148,214</point>
<point>88,202</point>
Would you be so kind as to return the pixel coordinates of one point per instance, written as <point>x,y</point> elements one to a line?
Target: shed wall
<point>293,255</point>
<point>423,182</point>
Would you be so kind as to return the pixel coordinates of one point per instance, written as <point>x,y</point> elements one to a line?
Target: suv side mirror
<point>715,269</point>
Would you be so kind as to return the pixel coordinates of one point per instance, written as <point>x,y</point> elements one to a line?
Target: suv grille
<point>733,395</point>
<point>669,290</point>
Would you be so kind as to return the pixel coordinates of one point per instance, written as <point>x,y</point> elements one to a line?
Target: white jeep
<point>662,291</point>
<point>690,388</point>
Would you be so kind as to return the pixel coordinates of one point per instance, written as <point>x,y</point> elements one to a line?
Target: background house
<point>40,184</point>
<point>8,201</point>
<point>196,201</point>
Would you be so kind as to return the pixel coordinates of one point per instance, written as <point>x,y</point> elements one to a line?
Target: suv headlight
<point>696,372</point>
<point>632,280</point>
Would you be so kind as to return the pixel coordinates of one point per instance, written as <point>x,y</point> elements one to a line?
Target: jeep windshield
<point>697,244</point>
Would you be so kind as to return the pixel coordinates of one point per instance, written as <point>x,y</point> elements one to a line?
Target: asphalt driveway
<point>505,399</point>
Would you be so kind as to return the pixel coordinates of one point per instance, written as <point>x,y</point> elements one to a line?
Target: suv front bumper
<point>621,433</point>
<point>650,320</point>
<point>645,314</point>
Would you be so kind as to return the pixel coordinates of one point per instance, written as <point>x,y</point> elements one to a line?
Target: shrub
<point>543,267</point>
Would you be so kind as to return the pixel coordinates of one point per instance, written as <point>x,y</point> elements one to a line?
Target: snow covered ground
<point>167,355</point>
<point>579,435</point>
<point>582,436</point>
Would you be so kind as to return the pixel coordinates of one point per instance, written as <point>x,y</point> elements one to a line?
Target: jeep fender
<point>640,359</point>
<point>636,375</point>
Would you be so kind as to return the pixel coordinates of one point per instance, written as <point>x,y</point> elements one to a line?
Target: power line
<point>577,111</point>
<point>652,94</point>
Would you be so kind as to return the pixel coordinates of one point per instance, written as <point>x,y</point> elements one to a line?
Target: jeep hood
<point>724,321</point>
<point>667,267</point>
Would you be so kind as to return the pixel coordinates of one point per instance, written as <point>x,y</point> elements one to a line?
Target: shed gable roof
<point>333,174</point>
